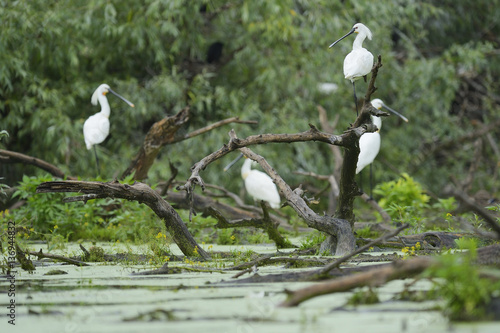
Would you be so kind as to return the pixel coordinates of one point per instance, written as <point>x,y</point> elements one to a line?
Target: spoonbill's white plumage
<point>369,143</point>
<point>369,146</point>
<point>359,61</point>
<point>96,127</point>
<point>257,183</point>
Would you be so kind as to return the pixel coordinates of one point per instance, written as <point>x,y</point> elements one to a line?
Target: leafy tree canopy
<point>274,54</point>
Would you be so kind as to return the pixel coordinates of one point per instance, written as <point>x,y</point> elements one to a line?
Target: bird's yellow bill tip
<point>132,105</point>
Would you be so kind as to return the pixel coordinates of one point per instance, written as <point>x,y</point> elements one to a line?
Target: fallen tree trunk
<point>373,277</point>
<point>40,254</point>
<point>382,274</point>
<point>137,192</point>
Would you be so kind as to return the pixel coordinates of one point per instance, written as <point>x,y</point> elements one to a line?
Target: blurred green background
<point>256,59</point>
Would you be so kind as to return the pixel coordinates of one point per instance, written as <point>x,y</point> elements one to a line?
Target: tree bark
<point>160,134</point>
<point>373,277</point>
<point>164,132</point>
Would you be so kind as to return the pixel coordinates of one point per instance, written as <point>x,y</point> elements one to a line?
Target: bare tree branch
<point>40,254</point>
<point>7,156</point>
<point>469,202</point>
<point>213,126</point>
<point>235,143</point>
<point>338,228</point>
<point>373,277</point>
<point>164,132</point>
<point>325,270</point>
<point>382,274</point>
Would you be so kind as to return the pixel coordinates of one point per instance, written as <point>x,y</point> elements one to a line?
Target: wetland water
<point>107,298</point>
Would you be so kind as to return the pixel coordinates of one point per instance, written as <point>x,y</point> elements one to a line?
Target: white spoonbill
<point>257,183</point>
<point>369,143</point>
<point>96,127</point>
<point>359,61</point>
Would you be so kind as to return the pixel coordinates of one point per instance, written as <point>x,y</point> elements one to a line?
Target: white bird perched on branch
<point>359,61</point>
<point>369,143</point>
<point>257,183</point>
<point>96,127</point>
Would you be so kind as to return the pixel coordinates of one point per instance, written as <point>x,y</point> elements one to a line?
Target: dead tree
<point>338,227</point>
<point>137,192</point>
<point>328,224</point>
<point>164,132</point>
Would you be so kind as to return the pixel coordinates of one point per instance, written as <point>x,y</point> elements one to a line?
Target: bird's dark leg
<point>96,160</point>
<point>361,182</point>
<point>355,99</point>
<point>371,182</point>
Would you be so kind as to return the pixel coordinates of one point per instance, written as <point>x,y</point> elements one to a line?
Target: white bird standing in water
<point>257,183</point>
<point>369,143</point>
<point>96,127</point>
<point>359,61</point>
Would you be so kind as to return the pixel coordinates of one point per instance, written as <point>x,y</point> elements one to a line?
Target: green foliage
<point>55,221</point>
<point>363,296</point>
<point>402,198</point>
<point>226,236</point>
<point>96,254</point>
<point>495,208</point>
<point>465,243</point>
<point>315,238</point>
<point>258,237</point>
<point>242,257</point>
<point>465,292</point>
<point>446,205</point>
<point>404,191</point>
<point>367,232</point>
<point>275,54</point>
